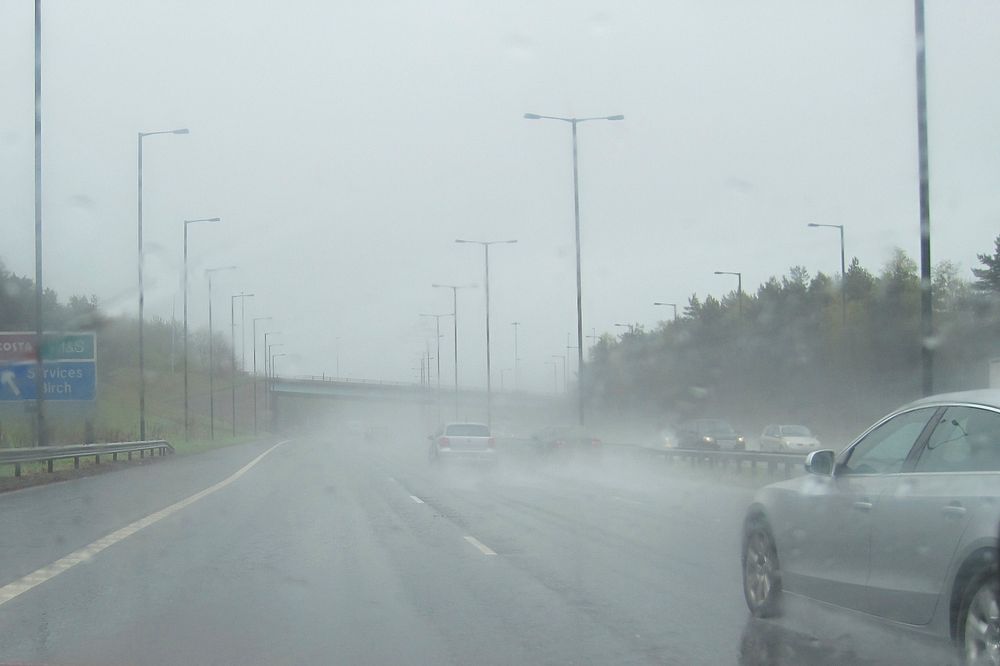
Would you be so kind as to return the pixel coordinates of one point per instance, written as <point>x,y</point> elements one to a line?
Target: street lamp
<point>232,340</point>
<point>142,349</point>
<point>489,382</point>
<point>555,375</point>
<point>739,288</point>
<point>516,325</point>
<point>254,325</point>
<point>274,356</point>
<point>267,375</point>
<point>211,347</point>
<point>562,357</point>
<point>673,305</point>
<point>843,269</point>
<point>454,314</point>
<point>437,330</point>
<point>187,422</point>
<point>630,327</point>
<point>576,215</point>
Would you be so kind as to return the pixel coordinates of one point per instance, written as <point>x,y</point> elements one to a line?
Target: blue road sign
<point>64,380</point>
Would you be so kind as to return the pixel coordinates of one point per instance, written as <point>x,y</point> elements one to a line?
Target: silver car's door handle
<point>955,510</point>
<point>863,505</point>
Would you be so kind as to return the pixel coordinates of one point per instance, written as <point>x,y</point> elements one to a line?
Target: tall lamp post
<point>516,325</point>
<point>211,351</point>
<point>40,427</point>
<point>267,374</point>
<point>489,379</point>
<point>269,371</point>
<point>673,305</point>
<point>562,357</point>
<point>437,330</point>
<point>926,300</point>
<point>232,340</point>
<point>555,375</point>
<point>739,288</point>
<point>454,315</point>
<point>187,421</point>
<point>576,215</point>
<point>255,320</point>
<point>843,269</point>
<point>630,327</point>
<point>142,349</point>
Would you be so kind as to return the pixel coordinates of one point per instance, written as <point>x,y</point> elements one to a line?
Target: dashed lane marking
<point>34,579</point>
<point>483,548</point>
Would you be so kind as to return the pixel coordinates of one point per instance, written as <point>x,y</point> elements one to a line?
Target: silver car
<point>901,525</point>
<point>788,439</point>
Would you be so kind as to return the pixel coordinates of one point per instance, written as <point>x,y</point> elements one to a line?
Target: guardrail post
<point>17,469</point>
<point>130,455</point>
<point>76,462</point>
<point>50,461</point>
<point>114,457</point>
<point>97,459</point>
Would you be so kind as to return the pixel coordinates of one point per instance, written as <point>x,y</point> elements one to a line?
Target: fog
<point>346,146</point>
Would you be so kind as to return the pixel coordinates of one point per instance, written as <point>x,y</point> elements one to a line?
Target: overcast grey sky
<point>346,146</point>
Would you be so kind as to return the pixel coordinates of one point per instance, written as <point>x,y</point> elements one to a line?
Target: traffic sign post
<point>69,363</point>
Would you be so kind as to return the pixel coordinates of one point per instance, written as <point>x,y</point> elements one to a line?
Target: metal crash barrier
<point>49,454</point>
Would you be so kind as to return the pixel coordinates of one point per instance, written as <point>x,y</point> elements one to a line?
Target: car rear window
<point>467,430</point>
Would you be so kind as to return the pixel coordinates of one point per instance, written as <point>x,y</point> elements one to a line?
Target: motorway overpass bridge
<point>298,401</point>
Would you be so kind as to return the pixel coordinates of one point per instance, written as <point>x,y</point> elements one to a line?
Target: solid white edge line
<point>39,576</point>
<point>483,548</point>
<point>416,499</point>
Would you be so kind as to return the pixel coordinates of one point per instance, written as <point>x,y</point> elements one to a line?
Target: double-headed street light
<point>673,305</point>
<point>232,339</point>
<point>630,327</point>
<point>267,372</point>
<point>739,288</point>
<point>454,315</point>
<point>142,349</point>
<point>576,215</point>
<point>516,325</point>
<point>437,330</point>
<point>187,421</point>
<point>562,357</point>
<point>255,320</point>
<point>843,269</point>
<point>211,347</point>
<point>489,382</point>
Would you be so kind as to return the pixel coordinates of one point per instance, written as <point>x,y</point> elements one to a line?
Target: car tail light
<point>559,442</point>
<point>444,442</point>
<point>492,442</point>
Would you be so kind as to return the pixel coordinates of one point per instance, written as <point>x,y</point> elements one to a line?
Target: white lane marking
<point>416,499</point>
<point>630,501</point>
<point>483,548</point>
<point>39,576</point>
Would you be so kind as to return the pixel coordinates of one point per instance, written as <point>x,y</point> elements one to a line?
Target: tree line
<point>794,356</point>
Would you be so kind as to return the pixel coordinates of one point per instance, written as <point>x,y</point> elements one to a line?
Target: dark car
<point>565,440</point>
<point>710,434</point>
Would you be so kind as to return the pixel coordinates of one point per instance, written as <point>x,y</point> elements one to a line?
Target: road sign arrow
<point>7,379</point>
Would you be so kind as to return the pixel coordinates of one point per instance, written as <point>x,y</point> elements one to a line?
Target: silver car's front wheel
<point>761,573</point>
<point>981,622</point>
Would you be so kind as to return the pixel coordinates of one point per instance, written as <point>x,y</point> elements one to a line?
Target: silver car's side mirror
<point>820,462</point>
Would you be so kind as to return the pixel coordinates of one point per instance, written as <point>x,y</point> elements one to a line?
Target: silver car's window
<point>795,431</point>
<point>468,430</point>
<point>884,450</point>
<point>965,439</point>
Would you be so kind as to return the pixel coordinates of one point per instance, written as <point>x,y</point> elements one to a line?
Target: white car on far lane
<point>788,439</point>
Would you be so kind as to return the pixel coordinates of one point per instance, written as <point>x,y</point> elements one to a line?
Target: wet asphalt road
<point>332,551</point>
